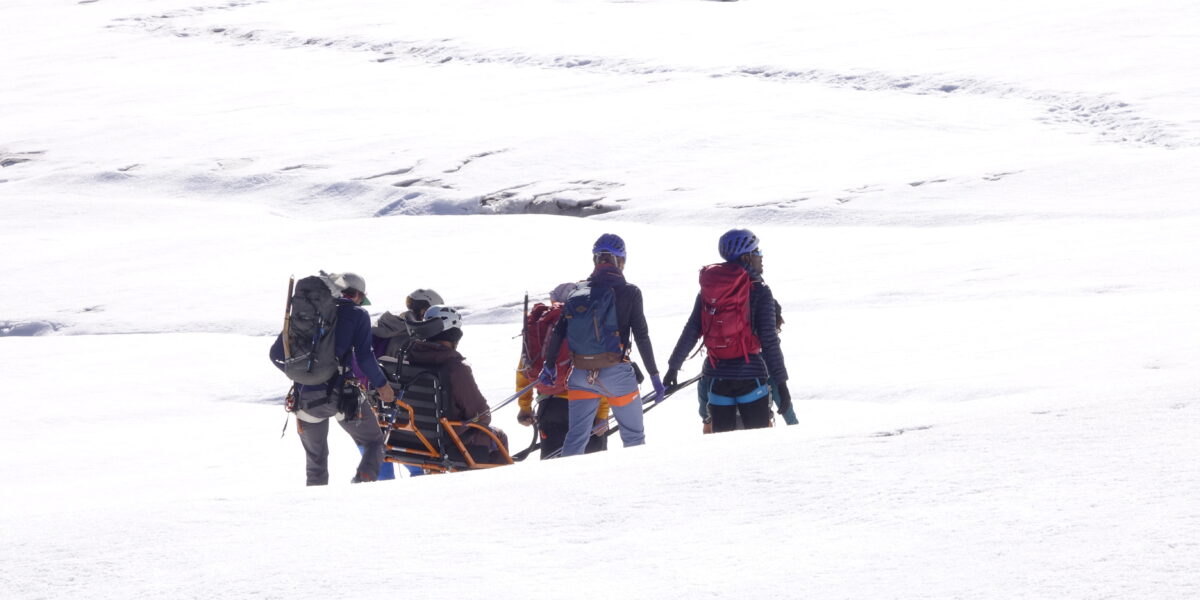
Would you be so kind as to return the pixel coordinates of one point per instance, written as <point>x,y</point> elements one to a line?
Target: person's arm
<point>364,355</point>
<point>687,338</point>
<point>525,401</point>
<point>768,337</point>
<point>556,340</point>
<point>602,412</point>
<point>276,353</point>
<point>641,331</point>
<point>467,395</point>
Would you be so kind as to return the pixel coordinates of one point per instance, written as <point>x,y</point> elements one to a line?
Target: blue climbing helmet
<point>610,243</point>
<point>736,242</point>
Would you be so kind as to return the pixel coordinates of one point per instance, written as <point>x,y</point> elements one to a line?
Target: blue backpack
<point>593,335</point>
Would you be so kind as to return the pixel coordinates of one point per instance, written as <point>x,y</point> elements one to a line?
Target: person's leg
<point>497,456</point>
<point>721,406</point>
<point>386,471</point>
<point>365,432</point>
<point>629,419</point>
<point>596,443</point>
<point>580,415</point>
<point>480,454</point>
<point>724,417</point>
<point>756,414</point>
<point>314,438</point>
<point>552,425</point>
<point>702,388</point>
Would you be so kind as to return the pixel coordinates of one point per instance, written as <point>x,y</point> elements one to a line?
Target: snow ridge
<point>1110,119</point>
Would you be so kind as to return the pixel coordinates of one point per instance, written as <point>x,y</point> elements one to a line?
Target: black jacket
<point>631,319</point>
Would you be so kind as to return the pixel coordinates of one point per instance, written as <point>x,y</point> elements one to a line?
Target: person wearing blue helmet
<point>599,320</point>
<point>736,317</point>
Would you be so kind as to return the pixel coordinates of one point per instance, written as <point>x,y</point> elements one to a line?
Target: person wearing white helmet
<point>391,335</point>
<point>435,344</point>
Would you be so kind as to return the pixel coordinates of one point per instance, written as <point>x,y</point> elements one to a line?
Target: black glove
<point>785,398</point>
<point>671,381</point>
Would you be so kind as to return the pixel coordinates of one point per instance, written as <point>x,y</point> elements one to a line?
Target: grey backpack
<point>308,332</point>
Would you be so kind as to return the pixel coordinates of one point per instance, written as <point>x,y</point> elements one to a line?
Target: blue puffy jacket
<point>767,363</point>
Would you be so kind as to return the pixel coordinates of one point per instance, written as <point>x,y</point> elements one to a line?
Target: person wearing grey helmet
<point>352,347</point>
<point>436,346</point>
<point>393,333</point>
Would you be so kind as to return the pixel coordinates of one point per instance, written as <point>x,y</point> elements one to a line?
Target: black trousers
<point>755,415</point>
<point>552,425</point>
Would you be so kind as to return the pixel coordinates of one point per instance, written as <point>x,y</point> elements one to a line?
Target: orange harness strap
<point>589,395</point>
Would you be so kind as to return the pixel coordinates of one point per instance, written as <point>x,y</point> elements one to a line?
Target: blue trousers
<point>581,415</point>
<point>387,470</point>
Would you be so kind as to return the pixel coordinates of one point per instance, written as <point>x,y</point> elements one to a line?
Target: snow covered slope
<point>981,222</point>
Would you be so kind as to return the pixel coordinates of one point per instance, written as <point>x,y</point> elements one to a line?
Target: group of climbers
<point>575,355</point>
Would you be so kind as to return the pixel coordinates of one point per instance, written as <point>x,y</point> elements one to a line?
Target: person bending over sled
<point>597,321</point>
<point>735,315</point>
<point>552,416</point>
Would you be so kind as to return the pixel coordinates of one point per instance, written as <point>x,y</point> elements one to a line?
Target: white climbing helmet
<point>448,316</point>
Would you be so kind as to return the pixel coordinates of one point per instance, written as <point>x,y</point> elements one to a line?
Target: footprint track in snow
<point>1108,118</point>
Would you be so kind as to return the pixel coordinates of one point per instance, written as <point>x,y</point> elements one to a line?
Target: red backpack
<point>725,312</point>
<point>539,324</point>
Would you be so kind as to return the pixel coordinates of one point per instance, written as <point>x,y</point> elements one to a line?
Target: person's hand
<point>600,427</point>
<point>386,395</point>
<point>525,417</point>
<point>707,426</point>
<point>671,381</point>
<point>785,398</point>
<point>659,390</point>
<point>547,376</point>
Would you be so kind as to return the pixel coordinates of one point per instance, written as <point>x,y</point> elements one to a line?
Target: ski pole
<point>533,445</point>
<point>503,403</point>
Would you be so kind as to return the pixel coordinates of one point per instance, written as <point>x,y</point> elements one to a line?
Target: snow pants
<point>364,431</point>
<point>618,385</point>
<point>553,421</point>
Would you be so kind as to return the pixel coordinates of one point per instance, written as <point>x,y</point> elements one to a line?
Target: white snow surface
<point>981,220</point>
